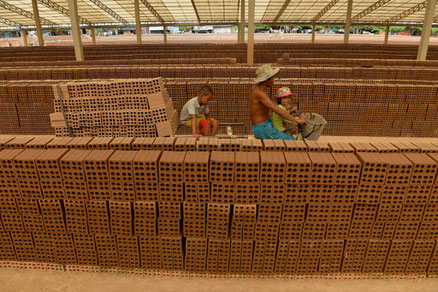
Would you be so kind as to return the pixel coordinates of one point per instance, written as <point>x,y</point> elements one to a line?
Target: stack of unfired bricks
<point>116,108</point>
<point>221,206</point>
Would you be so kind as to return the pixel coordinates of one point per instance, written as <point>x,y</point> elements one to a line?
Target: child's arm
<point>194,126</point>
<point>286,121</point>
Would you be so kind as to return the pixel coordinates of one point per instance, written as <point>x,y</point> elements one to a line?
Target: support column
<point>242,21</point>
<point>75,30</point>
<point>313,33</point>
<point>425,33</point>
<point>39,29</point>
<point>24,36</point>
<point>251,12</point>
<point>348,22</point>
<point>386,34</point>
<point>165,33</point>
<point>93,36</point>
<point>137,21</point>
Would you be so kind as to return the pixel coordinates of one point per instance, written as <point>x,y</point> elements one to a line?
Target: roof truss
<point>9,22</point>
<point>408,12</point>
<point>109,11</point>
<point>22,12</point>
<point>324,10</point>
<point>152,10</point>
<point>56,7</point>
<point>370,9</point>
<point>196,10</point>
<point>282,9</point>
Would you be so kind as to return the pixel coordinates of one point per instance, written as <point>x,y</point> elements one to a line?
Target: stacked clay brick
<point>130,107</point>
<point>220,206</point>
<point>267,52</point>
<point>396,71</point>
<point>399,106</point>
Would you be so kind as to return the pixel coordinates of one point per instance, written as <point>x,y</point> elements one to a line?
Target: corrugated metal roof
<point>172,12</point>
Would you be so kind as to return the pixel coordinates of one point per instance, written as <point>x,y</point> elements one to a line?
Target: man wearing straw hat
<point>260,104</point>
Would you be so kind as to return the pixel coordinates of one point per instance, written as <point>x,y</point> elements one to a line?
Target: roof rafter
<point>56,7</point>
<point>408,12</point>
<point>282,9</point>
<point>152,10</point>
<point>370,9</point>
<point>196,10</point>
<point>324,10</point>
<point>109,11</point>
<point>9,22</point>
<point>22,12</point>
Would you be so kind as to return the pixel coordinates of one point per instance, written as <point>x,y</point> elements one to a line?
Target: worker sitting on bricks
<point>260,104</point>
<point>196,114</point>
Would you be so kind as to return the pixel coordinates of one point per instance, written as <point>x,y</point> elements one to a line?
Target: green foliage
<point>396,29</point>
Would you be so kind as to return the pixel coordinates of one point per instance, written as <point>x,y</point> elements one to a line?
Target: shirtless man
<point>260,104</point>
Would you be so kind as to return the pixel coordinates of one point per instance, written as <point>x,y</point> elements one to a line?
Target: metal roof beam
<point>370,9</point>
<point>109,11</point>
<point>152,10</point>
<point>408,12</point>
<point>324,10</point>
<point>146,24</point>
<point>9,22</point>
<point>282,9</point>
<point>196,10</point>
<point>24,13</point>
<point>56,7</point>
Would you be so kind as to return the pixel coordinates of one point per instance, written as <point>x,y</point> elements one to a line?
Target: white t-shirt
<point>192,107</point>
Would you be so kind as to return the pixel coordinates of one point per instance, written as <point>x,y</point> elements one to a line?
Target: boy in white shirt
<point>196,114</point>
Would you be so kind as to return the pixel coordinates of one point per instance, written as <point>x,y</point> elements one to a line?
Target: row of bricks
<point>221,166</point>
<point>226,193</point>
<point>297,213</point>
<point>210,144</point>
<point>264,222</point>
<point>226,256</point>
<point>213,71</point>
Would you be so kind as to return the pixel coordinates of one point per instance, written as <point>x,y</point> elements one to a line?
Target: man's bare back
<point>258,112</point>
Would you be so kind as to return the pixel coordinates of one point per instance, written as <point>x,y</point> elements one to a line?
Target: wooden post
<point>39,29</point>
<point>242,21</point>
<point>425,33</point>
<point>313,33</point>
<point>251,14</point>
<point>93,36</point>
<point>137,21</point>
<point>348,22</point>
<point>386,34</point>
<point>165,33</point>
<point>75,30</point>
<point>24,36</point>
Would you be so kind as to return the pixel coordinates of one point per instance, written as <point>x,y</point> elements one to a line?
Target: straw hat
<point>265,72</point>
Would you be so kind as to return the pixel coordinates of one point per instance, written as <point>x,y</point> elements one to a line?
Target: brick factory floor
<point>15,280</point>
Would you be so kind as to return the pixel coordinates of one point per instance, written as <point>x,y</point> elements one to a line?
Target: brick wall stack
<point>130,107</point>
<point>221,207</point>
<point>358,107</point>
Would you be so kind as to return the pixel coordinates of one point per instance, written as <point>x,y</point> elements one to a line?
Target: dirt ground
<point>223,38</point>
<point>17,281</point>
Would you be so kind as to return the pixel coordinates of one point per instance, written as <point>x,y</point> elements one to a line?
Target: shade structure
<point>55,13</point>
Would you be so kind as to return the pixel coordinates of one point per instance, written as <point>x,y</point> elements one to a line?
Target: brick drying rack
<point>220,207</point>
